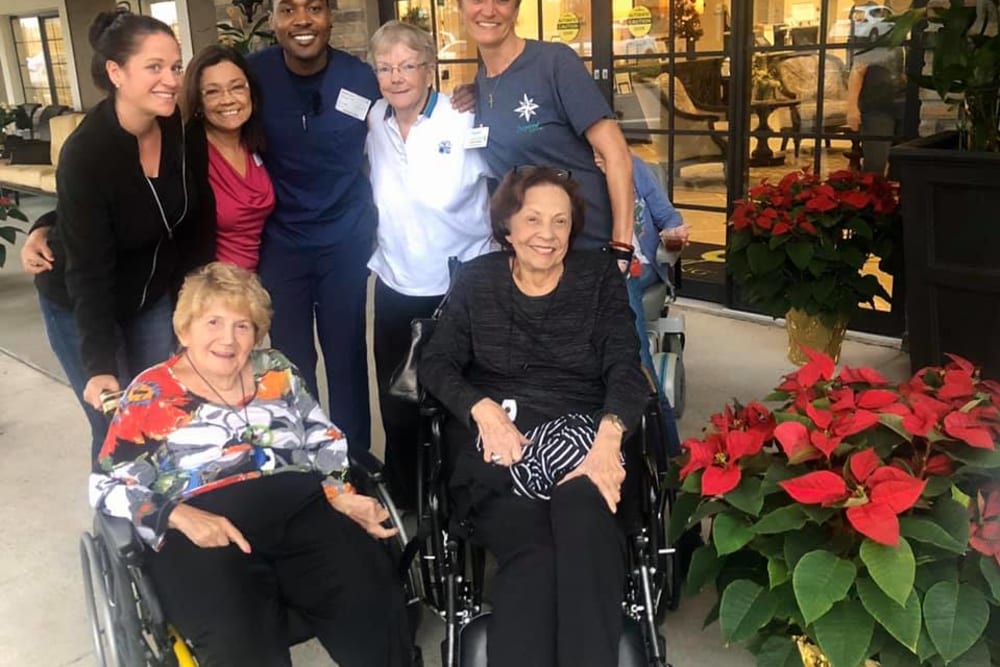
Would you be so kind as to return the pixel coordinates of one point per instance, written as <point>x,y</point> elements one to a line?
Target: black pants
<point>401,420</point>
<point>340,580</point>
<point>558,589</point>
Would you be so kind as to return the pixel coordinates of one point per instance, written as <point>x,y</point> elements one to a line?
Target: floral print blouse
<point>167,444</point>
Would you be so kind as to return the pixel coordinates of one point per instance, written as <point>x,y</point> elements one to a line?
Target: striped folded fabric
<point>557,447</point>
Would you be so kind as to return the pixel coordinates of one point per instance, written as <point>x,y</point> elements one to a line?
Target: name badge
<point>352,104</point>
<point>477,137</point>
<point>510,407</point>
<point>258,160</point>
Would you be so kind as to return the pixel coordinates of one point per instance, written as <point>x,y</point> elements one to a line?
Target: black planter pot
<point>951,246</point>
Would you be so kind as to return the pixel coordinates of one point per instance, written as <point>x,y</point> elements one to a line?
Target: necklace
<point>251,433</point>
<point>496,84</point>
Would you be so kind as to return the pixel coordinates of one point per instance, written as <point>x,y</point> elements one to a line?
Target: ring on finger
<point>496,458</point>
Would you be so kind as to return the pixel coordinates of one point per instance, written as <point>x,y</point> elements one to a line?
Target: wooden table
<point>762,155</point>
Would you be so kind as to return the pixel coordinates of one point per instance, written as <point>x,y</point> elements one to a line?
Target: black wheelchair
<point>128,626</point>
<point>448,572</point>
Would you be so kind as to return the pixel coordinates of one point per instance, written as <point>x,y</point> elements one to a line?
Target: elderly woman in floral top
<point>233,475</point>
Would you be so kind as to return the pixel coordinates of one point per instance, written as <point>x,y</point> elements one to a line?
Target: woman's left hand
<point>603,467</point>
<point>366,512</point>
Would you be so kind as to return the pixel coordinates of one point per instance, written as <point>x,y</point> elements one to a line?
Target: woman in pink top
<point>226,137</point>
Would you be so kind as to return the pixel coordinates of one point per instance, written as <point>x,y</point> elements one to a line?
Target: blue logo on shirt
<point>444,147</point>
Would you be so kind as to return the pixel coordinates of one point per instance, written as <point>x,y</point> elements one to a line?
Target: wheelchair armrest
<point>366,465</point>
<point>120,536</point>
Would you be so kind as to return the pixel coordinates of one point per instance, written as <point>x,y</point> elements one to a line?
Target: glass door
<point>670,75</point>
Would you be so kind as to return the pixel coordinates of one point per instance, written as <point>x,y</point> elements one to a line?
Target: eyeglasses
<point>529,169</point>
<point>406,69</point>
<point>238,91</point>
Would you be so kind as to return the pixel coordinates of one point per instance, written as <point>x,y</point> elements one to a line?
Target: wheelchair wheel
<point>112,606</point>
<point>669,576</point>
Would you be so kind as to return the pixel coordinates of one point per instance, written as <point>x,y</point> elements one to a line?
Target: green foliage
<point>965,62</point>
<point>8,233</point>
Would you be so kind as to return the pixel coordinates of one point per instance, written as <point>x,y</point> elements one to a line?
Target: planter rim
<point>939,148</point>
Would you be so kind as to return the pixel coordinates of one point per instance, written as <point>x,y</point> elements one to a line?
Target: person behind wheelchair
<point>537,358</point>
<point>235,478</point>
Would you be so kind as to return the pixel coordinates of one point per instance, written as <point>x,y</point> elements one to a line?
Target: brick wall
<point>350,22</point>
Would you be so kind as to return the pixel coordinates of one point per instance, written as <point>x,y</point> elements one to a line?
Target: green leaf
<point>861,228</point>
<point>892,568</point>
<point>903,623</point>
<point>679,514</point>
<point>692,483</point>
<point>777,572</point>
<point>953,516</point>
<point>895,424</point>
<point>705,567</point>
<point>801,542</point>
<point>747,496</point>
<point>730,533</point>
<point>801,253</point>
<point>820,579</point>
<point>977,656</point>
<point>782,417</point>
<point>745,608</point>
<point>932,572</point>
<point>764,260</point>
<point>955,616</point>
<point>844,633</point>
<point>817,514</point>
<point>975,457</point>
<point>925,530</point>
<point>779,651</point>
<point>894,654</point>
<point>991,572</point>
<point>781,520</point>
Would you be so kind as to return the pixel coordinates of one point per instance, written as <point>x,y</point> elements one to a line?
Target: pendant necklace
<point>496,84</point>
<point>251,434</point>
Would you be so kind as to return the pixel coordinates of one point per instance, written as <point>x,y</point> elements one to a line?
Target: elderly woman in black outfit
<point>537,354</point>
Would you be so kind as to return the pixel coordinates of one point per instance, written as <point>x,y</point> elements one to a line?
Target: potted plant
<point>9,233</point>
<point>243,32</point>
<point>797,248</point>
<point>857,521</point>
<point>950,192</point>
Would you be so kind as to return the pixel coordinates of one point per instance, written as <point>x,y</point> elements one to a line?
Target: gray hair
<point>407,34</point>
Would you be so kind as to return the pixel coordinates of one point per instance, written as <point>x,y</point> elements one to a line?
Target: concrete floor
<point>43,482</point>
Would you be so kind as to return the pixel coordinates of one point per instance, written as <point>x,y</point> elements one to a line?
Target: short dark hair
<point>115,36</point>
<point>509,199</point>
<point>252,132</point>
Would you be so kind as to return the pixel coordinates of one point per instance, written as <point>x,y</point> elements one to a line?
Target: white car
<point>870,21</point>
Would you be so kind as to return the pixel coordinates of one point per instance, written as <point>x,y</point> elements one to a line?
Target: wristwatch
<point>616,421</point>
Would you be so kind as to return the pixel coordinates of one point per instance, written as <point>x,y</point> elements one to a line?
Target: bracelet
<point>618,245</point>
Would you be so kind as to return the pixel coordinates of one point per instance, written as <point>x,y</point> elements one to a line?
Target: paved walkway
<point>43,483</point>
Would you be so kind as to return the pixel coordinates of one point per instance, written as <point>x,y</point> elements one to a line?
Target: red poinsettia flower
<point>870,376</point>
<point>880,494</point>
<point>938,464</point>
<point>924,414</point>
<point>970,430</point>
<point>717,455</point>
<point>984,533</point>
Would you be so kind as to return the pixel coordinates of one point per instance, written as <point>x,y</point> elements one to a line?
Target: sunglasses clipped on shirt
<point>526,170</point>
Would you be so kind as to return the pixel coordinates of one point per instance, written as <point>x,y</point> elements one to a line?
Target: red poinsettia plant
<point>802,242</point>
<point>860,514</point>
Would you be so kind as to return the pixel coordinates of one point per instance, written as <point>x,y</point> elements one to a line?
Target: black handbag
<point>403,383</point>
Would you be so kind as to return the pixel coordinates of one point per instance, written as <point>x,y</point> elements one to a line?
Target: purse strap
<point>454,268</point>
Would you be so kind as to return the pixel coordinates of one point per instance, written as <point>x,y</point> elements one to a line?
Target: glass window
<point>32,60</point>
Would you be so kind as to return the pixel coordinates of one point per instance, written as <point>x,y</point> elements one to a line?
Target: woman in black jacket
<point>129,217</point>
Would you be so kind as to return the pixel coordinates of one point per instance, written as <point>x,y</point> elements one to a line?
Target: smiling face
<point>302,28</point>
<point>225,96</point>
<point>403,91</point>
<point>490,22</point>
<point>539,232</point>
<point>150,80</point>
<point>218,341</point>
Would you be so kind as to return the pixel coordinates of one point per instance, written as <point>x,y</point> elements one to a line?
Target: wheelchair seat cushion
<point>557,447</point>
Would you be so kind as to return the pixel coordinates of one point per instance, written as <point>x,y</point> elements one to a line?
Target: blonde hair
<point>235,287</point>
<point>407,34</point>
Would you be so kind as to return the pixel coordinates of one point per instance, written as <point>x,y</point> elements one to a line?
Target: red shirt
<point>242,205</point>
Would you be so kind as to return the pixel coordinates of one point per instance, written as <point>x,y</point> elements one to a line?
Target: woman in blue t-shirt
<point>542,108</point>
